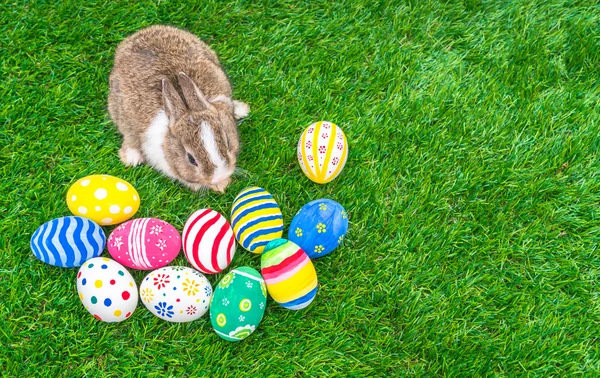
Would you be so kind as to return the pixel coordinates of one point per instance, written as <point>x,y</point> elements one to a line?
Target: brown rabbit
<point>171,100</point>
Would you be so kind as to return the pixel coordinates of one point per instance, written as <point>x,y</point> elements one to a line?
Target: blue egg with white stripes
<point>319,227</point>
<point>256,219</point>
<point>68,242</point>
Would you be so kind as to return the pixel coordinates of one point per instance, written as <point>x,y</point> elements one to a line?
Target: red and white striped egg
<point>144,243</point>
<point>208,241</point>
<point>322,151</point>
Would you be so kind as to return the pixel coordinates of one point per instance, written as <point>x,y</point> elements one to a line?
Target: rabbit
<point>172,102</point>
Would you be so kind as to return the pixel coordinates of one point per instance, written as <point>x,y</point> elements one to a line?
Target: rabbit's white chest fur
<point>153,143</point>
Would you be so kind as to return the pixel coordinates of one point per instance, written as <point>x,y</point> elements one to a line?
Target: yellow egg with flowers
<point>322,151</point>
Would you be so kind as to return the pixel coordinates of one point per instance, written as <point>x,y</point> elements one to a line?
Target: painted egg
<point>67,241</point>
<point>208,241</point>
<point>319,227</point>
<point>144,243</point>
<point>289,274</point>
<point>322,151</point>
<point>107,290</point>
<point>104,199</point>
<point>256,219</point>
<point>176,294</point>
<point>239,304</point>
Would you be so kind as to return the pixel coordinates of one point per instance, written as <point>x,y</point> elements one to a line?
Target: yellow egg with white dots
<point>104,199</point>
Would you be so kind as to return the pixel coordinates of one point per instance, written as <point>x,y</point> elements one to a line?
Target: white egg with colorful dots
<point>107,290</point>
<point>176,293</point>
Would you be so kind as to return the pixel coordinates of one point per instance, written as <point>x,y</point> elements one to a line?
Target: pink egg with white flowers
<point>144,243</point>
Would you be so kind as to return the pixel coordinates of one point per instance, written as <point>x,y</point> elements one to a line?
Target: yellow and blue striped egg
<point>256,219</point>
<point>322,151</point>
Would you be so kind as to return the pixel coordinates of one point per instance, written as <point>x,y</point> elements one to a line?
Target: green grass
<point>472,185</point>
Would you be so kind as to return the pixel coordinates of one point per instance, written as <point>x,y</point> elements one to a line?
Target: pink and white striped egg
<point>208,241</point>
<point>144,243</point>
<point>322,151</point>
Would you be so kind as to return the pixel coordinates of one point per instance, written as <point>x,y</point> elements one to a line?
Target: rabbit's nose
<point>220,178</point>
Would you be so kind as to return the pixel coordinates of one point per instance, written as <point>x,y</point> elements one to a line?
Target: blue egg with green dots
<point>319,227</point>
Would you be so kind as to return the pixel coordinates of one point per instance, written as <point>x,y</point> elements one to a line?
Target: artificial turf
<point>472,185</point>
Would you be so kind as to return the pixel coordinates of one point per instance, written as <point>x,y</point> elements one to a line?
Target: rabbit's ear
<point>174,106</point>
<point>195,99</point>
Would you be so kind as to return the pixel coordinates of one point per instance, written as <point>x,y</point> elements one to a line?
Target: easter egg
<point>322,151</point>
<point>104,199</point>
<point>289,274</point>
<point>256,219</point>
<point>319,227</point>
<point>107,290</point>
<point>239,303</point>
<point>68,241</point>
<point>176,294</point>
<point>208,242</point>
<point>144,243</point>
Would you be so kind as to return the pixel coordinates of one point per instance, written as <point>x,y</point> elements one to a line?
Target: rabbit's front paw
<point>131,157</point>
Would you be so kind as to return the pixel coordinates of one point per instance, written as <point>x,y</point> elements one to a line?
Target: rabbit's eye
<point>192,160</point>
